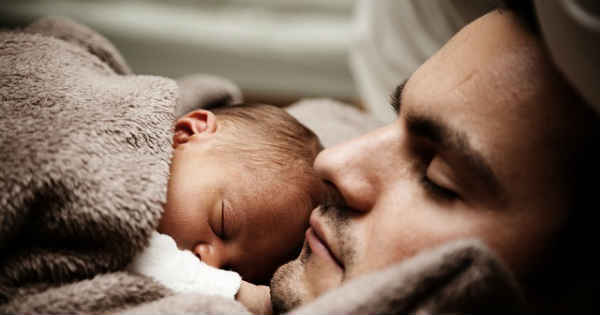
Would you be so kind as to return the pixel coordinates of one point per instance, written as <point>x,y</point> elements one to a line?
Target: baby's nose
<point>210,254</point>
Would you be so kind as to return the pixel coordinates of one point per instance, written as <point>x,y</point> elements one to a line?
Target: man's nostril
<point>331,194</point>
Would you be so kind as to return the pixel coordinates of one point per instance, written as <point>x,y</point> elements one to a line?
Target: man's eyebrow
<point>453,140</point>
<point>396,97</point>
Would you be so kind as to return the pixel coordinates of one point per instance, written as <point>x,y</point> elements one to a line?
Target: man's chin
<point>302,280</point>
<point>288,289</point>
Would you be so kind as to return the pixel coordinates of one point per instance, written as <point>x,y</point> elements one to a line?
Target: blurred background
<point>276,51</point>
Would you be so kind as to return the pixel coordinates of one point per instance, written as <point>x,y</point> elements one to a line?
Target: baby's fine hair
<point>267,137</point>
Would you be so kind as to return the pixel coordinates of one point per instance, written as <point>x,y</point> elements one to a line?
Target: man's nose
<point>212,254</point>
<point>354,169</point>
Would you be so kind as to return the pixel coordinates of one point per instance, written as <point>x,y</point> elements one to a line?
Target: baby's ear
<point>197,122</point>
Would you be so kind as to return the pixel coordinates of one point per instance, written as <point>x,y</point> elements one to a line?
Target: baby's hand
<point>256,298</point>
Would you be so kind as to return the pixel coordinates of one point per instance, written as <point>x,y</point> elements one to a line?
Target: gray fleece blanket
<point>85,147</point>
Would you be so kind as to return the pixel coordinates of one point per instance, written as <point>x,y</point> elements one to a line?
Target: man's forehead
<point>493,42</point>
<point>491,78</point>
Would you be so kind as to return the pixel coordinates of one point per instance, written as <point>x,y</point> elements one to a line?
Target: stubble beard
<point>288,285</point>
<point>287,290</point>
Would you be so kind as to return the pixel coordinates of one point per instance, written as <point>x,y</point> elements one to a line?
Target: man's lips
<point>318,243</point>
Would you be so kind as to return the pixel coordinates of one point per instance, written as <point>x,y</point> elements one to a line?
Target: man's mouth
<point>317,241</point>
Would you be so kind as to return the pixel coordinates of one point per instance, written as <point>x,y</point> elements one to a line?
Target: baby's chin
<point>256,277</point>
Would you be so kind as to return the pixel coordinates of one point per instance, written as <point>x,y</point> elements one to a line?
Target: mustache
<point>333,205</point>
<point>337,215</point>
<point>331,196</point>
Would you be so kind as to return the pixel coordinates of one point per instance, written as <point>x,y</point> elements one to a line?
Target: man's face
<point>474,153</point>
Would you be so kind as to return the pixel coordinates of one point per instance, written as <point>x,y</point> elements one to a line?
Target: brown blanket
<point>85,147</point>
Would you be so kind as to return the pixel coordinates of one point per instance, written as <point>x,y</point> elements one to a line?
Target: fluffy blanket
<point>85,147</point>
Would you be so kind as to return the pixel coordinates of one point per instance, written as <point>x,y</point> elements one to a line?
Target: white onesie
<point>181,271</point>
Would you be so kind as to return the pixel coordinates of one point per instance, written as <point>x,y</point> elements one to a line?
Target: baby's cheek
<point>292,233</point>
<point>275,232</point>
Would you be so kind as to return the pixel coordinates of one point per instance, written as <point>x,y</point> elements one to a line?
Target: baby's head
<point>241,188</point>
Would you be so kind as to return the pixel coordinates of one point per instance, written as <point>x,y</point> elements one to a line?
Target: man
<point>487,144</point>
<point>391,39</point>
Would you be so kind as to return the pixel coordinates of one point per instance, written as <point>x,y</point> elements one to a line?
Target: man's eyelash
<point>396,98</point>
<point>394,101</point>
<point>437,190</point>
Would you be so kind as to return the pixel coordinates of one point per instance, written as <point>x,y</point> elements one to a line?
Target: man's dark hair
<point>570,261</point>
<point>525,10</point>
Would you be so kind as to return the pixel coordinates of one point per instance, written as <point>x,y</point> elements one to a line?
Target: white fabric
<point>571,30</point>
<point>332,121</point>
<point>181,271</point>
<point>392,38</point>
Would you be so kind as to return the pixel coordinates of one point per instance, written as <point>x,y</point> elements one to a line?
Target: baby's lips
<point>207,254</point>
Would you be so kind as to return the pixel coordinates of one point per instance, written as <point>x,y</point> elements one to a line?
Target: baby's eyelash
<point>223,219</point>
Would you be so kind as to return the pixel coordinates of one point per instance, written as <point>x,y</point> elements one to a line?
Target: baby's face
<point>232,217</point>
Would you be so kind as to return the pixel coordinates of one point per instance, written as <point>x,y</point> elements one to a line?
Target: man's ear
<point>193,123</point>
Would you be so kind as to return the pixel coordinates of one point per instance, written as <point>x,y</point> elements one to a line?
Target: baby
<point>240,193</point>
